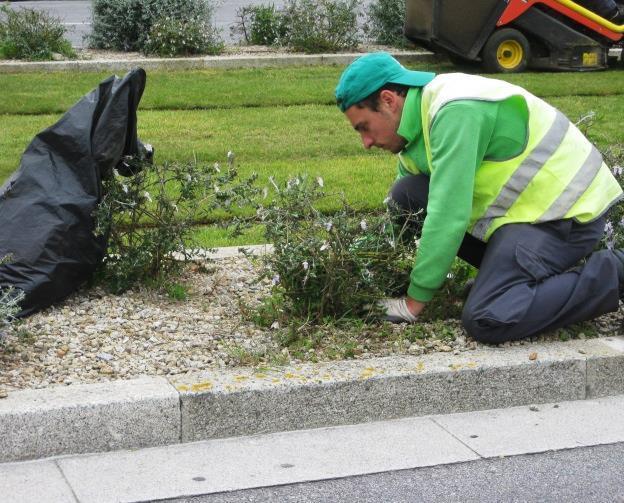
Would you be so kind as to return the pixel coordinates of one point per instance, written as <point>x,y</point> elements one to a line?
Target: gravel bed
<point>95,336</point>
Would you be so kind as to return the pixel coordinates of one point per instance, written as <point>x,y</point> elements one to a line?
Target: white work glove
<point>396,310</point>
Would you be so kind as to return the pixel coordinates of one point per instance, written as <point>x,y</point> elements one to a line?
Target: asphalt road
<point>76,15</point>
<point>588,475</point>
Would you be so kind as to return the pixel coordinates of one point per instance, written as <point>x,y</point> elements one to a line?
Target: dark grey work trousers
<point>529,280</point>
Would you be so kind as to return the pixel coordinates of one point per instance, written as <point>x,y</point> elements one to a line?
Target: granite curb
<point>155,411</point>
<point>204,63</point>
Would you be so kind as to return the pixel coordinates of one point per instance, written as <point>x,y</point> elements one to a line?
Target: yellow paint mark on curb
<point>260,376</point>
<point>368,372</point>
<point>182,387</point>
<point>240,378</point>
<point>420,367</point>
<point>202,386</point>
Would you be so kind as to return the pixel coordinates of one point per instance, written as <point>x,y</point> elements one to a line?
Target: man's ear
<point>390,98</point>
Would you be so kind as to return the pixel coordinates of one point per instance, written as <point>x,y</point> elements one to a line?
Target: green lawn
<point>278,121</point>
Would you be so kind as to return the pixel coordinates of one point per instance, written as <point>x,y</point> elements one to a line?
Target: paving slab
<point>247,462</point>
<point>244,401</point>
<point>88,418</point>
<point>539,428</point>
<point>34,482</point>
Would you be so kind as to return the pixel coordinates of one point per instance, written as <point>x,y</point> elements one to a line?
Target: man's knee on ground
<point>486,331</point>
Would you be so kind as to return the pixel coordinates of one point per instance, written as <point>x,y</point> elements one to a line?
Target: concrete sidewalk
<point>205,62</point>
<point>235,464</point>
<point>154,411</point>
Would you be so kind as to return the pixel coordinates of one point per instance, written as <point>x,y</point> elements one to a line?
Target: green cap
<point>372,71</point>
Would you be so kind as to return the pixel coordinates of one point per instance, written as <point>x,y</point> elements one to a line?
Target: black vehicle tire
<point>506,51</point>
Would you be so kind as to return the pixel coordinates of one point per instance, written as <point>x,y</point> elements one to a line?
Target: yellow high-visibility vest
<point>558,175</point>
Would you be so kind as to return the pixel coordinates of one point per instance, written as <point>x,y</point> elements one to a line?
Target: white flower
<point>387,200</point>
<point>188,177</point>
<point>216,167</point>
<point>608,229</point>
<point>230,157</point>
<point>328,225</point>
<point>124,187</point>
<point>618,170</point>
<point>363,225</point>
<point>275,280</point>
<point>216,188</point>
<point>305,265</point>
<point>147,196</point>
<point>115,172</point>
<point>265,193</point>
<point>324,246</point>
<point>320,181</point>
<point>292,183</point>
<point>391,243</point>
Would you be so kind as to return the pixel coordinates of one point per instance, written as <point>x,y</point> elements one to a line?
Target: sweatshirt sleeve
<point>459,140</point>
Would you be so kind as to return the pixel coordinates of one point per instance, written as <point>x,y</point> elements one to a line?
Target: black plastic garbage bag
<point>46,222</point>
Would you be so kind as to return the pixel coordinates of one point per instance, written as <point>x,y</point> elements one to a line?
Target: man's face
<point>379,128</point>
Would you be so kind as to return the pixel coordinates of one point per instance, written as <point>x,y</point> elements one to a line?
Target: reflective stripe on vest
<point>524,174</point>
<point>576,188</point>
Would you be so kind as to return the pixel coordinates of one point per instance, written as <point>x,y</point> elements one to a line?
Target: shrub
<point>613,155</point>
<point>614,229</point>
<point>10,299</point>
<point>385,21</point>
<point>174,37</point>
<point>331,265</point>
<point>260,24</point>
<point>315,26</point>
<point>149,217</point>
<point>126,24</point>
<point>267,25</point>
<point>31,34</point>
